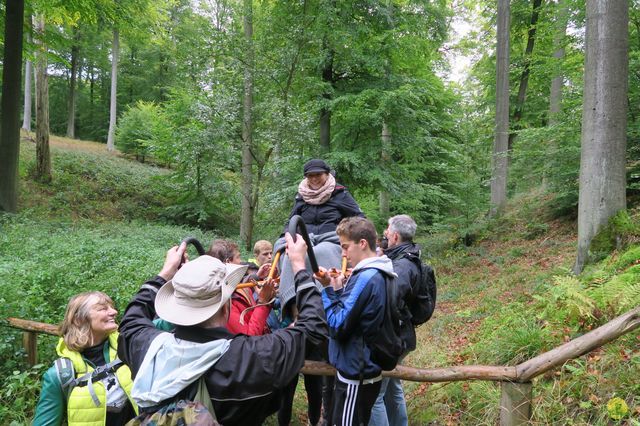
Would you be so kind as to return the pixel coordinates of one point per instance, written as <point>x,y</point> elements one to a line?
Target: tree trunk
<point>71,110</point>
<point>604,120</point>
<point>384,156</point>
<point>555,95</point>
<point>28,75</point>
<point>501,141</point>
<point>43,155</point>
<point>325,111</point>
<point>526,70</point>
<point>246,218</point>
<point>10,104</point>
<point>114,89</point>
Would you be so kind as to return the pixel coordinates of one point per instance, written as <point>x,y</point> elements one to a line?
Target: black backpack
<point>423,301</point>
<point>387,346</point>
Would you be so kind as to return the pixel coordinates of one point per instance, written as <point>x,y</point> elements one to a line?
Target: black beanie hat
<point>316,166</point>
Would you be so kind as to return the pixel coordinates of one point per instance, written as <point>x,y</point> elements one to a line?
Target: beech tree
<point>11,82</point>
<point>73,73</point>
<point>43,154</point>
<point>501,138</point>
<point>28,78</point>
<point>115,52</point>
<point>604,120</point>
<point>246,218</point>
<point>526,71</point>
<point>555,94</point>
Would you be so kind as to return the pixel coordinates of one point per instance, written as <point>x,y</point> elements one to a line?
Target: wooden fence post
<point>515,403</point>
<point>30,344</point>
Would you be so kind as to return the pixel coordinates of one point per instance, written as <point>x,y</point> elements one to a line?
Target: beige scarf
<point>317,196</point>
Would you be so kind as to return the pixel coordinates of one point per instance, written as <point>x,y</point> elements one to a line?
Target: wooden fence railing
<point>516,386</point>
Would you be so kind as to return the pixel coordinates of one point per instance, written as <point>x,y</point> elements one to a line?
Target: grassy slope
<point>98,223</point>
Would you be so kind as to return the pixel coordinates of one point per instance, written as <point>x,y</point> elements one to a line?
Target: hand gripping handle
<point>297,226</point>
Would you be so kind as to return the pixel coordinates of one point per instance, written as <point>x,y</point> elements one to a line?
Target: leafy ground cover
<point>504,298</point>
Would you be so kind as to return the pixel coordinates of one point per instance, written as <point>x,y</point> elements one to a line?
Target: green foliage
<point>566,301</point>
<point>19,391</point>
<point>620,228</point>
<point>143,130</point>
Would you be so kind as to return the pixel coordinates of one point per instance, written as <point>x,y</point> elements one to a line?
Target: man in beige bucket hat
<point>244,375</point>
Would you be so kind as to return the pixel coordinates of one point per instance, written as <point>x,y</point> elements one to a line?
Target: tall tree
<point>246,218</point>
<point>604,120</point>
<point>28,78</point>
<point>384,197</point>
<point>11,82</point>
<point>73,72</point>
<point>43,155</point>
<point>501,138</point>
<point>115,53</point>
<point>555,94</point>
<point>526,70</point>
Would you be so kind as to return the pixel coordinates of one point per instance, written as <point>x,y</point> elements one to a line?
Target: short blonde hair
<point>76,326</point>
<point>261,245</point>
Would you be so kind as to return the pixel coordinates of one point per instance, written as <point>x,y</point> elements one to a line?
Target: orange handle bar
<point>272,271</point>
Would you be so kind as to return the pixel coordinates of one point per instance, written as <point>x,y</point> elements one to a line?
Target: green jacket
<point>52,406</point>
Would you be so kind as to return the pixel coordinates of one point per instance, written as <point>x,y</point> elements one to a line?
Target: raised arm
<point>137,330</point>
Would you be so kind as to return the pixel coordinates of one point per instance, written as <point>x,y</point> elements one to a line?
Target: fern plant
<point>619,294</point>
<point>567,302</point>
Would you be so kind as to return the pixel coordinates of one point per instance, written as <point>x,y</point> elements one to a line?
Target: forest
<point>509,130</point>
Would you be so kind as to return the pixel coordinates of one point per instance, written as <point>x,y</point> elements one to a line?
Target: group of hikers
<point>194,347</point>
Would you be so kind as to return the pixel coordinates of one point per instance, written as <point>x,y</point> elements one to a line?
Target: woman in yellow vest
<point>87,385</point>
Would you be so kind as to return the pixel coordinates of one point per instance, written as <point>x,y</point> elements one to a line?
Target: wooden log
<point>515,403</point>
<point>433,375</point>
<point>38,327</point>
<point>579,346</point>
<point>30,344</point>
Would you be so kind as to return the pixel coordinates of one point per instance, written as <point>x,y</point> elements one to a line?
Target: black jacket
<point>408,276</point>
<point>245,384</point>
<point>325,217</point>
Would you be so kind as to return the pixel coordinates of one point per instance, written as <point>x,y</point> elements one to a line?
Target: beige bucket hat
<point>198,290</point>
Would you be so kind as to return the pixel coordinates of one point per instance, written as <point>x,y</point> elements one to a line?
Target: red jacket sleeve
<point>255,320</point>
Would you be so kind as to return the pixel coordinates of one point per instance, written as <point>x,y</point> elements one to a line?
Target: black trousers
<point>313,385</point>
<point>353,400</point>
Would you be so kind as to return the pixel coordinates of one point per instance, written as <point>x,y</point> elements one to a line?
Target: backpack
<point>423,301</point>
<point>388,346</point>
<point>67,376</point>
<point>195,411</point>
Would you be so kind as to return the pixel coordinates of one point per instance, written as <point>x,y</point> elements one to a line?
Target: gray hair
<point>404,226</point>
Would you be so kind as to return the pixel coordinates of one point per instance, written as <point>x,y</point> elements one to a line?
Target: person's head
<point>200,293</point>
<point>263,251</point>
<point>316,172</point>
<point>401,229</point>
<point>357,238</point>
<point>225,250</point>
<point>89,319</point>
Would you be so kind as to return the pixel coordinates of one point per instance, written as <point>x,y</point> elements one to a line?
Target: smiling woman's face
<point>103,320</point>
<point>316,180</point>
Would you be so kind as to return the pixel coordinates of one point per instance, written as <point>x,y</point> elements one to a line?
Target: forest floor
<point>71,144</point>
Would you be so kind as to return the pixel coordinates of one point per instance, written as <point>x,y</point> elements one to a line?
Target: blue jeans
<point>390,408</point>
